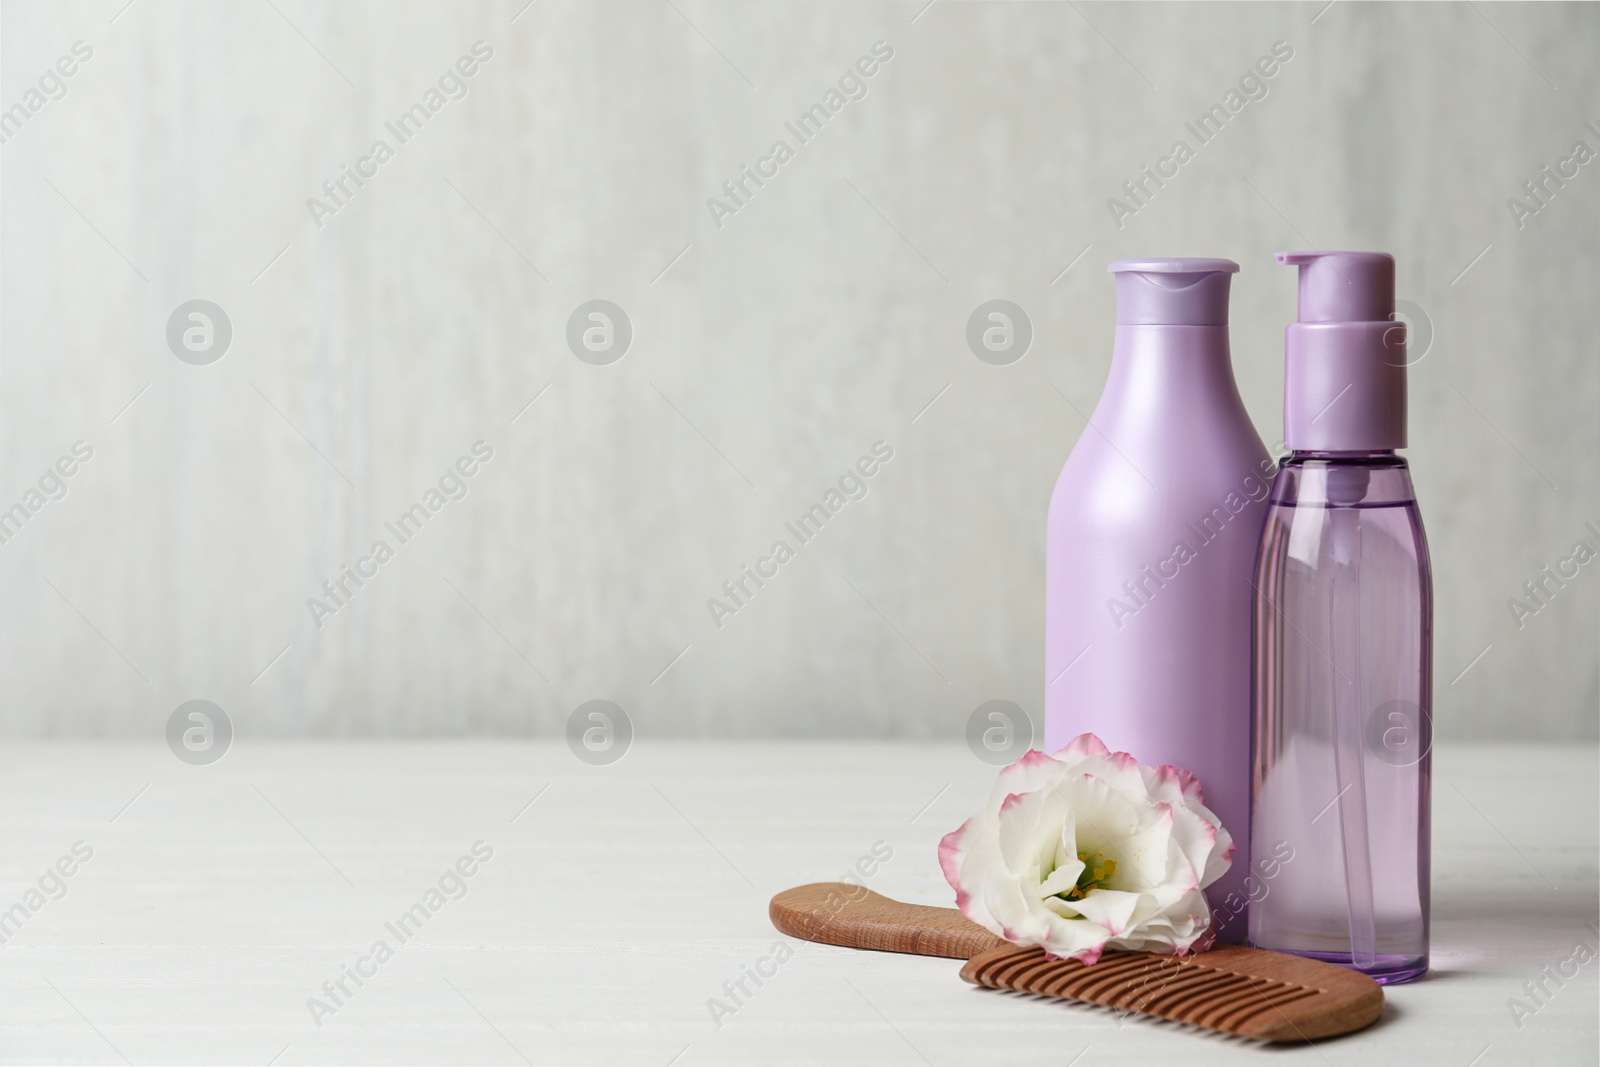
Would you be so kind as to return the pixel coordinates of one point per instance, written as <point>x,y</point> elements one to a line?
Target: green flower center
<point>1097,870</point>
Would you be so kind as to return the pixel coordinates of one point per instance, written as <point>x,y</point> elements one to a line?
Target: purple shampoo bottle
<point>1152,537</point>
<point>1343,643</point>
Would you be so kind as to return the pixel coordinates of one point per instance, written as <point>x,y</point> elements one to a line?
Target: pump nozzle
<point>1344,286</point>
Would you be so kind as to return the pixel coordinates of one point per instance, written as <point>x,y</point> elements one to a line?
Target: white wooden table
<point>218,900</point>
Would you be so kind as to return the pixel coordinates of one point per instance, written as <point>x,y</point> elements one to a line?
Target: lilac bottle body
<point>1151,541</point>
<point>1343,635</point>
<point>1343,690</point>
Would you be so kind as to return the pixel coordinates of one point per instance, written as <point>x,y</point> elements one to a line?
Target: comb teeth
<point>1232,990</point>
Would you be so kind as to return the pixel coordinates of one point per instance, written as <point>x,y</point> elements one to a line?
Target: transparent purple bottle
<point>1343,635</point>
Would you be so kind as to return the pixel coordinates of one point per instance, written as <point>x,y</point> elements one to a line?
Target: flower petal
<point>1081,746</point>
<point>1030,773</point>
<point>1110,908</point>
<point>1030,826</point>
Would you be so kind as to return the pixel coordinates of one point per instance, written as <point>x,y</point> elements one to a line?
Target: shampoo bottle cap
<point>1172,292</point>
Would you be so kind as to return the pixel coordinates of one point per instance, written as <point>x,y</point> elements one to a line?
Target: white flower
<point>1088,850</point>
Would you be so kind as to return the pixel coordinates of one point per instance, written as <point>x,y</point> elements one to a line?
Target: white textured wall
<point>821,318</point>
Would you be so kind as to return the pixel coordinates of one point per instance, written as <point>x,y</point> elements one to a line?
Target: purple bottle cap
<point>1344,382</point>
<point>1172,292</point>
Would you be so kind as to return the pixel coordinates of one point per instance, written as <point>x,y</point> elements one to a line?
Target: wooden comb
<point>1267,996</point>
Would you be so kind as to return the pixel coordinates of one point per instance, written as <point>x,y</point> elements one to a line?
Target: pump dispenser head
<point>1172,292</point>
<point>1344,385</point>
<point>1344,286</point>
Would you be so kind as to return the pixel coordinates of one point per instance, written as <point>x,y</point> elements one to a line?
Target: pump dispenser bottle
<point>1152,536</point>
<point>1343,626</point>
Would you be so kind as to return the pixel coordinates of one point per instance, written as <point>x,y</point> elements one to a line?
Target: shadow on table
<point>1479,930</point>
